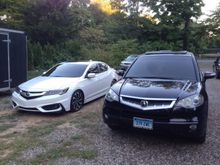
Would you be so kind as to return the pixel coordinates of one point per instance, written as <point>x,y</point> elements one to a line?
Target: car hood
<point>157,88</point>
<point>42,83</point>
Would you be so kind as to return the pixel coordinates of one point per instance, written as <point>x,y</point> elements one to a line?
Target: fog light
<point>193,127</point>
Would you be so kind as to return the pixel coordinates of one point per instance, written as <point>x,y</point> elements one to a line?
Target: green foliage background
<point>73,30</point>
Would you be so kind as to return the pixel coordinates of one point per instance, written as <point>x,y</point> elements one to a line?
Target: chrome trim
<point>173,101</point>
<point>145,98</point>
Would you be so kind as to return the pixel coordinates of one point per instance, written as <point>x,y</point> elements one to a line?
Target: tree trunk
<point>186,35</point>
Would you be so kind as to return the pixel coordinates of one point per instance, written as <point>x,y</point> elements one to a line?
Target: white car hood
<point>42,83</point>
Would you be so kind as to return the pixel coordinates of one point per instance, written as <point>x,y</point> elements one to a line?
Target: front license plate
<point>143,123</point>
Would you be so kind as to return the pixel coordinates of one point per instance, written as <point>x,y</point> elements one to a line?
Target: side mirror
<point>120,72</point>
<point>90,75</point>
<point>209,75</point>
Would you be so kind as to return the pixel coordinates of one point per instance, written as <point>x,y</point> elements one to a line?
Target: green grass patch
<point>44,129</point>
<point>4,127</point>
<point>24,141</point>
<point>60,152</point>
<point>87,120</point>
<point>8,118</point>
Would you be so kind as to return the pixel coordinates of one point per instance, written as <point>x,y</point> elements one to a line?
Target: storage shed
<point>13,58</point>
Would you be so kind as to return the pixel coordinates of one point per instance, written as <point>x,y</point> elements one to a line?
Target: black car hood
<point>157,88</point>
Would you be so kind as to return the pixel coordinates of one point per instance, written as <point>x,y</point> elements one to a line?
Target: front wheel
<point>77,101</point>
<point>217,75</point>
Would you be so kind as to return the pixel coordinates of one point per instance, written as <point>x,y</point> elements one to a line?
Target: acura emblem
<point>144,103</point>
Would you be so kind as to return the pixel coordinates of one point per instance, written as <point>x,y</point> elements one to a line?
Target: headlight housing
<point>56,92</point>
<point>191,102</point>
<point>111,96</point>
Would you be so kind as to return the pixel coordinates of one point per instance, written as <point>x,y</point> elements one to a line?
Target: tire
<point>199,139</point>
<point>217,75</point>
<point>113,82</point>
<point>77,101</point>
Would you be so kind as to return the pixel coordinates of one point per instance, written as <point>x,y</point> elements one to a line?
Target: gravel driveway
<point>85,131</point>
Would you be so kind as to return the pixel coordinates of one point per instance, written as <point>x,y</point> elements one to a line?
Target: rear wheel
<point>77,101</point>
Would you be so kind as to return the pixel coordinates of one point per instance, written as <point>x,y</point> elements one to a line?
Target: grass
<point>4,127</point>
<point>8,118</point>
<point>69,149</point>
<point>24,141</point>
<point>56,153</point>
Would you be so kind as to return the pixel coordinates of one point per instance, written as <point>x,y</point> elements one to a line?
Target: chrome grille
<point>147,103</point>
<point>31,95</point>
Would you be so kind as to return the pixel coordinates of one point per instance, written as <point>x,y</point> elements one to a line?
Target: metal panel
<point>4,61</point>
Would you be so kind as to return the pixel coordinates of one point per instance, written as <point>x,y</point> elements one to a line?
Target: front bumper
<point>183,122</point>
<point>53,103</point>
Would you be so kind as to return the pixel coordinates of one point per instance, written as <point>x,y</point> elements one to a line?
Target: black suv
<point>162,90</point>
<point>216,67</point>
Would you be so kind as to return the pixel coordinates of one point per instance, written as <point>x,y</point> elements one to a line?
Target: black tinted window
<point>170,67</point>
<point>66,70</point>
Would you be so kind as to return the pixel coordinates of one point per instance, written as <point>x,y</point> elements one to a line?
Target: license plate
<point>143,123</point>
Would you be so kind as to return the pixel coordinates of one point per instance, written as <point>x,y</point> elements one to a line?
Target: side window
<point>103,67</point>
<point>94,69</point>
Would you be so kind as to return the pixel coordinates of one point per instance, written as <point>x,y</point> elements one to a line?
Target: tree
<point>10,13</point>
<point>177,12</point>
<point>48,21</point>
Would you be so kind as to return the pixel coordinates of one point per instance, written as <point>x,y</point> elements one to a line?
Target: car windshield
<point>66,70</point>
<point>130,58</point>
<point>163,67</point>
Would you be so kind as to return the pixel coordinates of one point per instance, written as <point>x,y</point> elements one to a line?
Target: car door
<point>92,86</point>
<point>105,77</point>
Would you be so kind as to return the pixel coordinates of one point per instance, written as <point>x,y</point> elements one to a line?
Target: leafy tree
<point>10,13</point>
<point>48,21</point>
<point>176,13</point>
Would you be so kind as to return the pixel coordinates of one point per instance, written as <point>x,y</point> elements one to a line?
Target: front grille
<point>147,103</point>
<point>31,95</point>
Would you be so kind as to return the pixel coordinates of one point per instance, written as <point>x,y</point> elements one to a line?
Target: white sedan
<point>65,87</point>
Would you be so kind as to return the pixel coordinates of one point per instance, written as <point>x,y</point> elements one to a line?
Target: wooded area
<point>71,30</point>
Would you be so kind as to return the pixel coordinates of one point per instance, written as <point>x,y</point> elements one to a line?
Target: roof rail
<point>166,52</point>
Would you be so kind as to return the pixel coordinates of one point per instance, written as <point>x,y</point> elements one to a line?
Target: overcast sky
<point>210,5</point>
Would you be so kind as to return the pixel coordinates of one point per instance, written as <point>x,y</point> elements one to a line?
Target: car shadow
<point>153,137</point>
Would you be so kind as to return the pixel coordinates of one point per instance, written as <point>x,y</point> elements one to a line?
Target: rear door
<point>4,62</point>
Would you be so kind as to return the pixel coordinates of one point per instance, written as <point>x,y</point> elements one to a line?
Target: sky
<point>210,5</point>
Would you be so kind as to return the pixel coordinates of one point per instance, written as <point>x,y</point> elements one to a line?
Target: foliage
<point>73,30</point>
<point>176,12</point>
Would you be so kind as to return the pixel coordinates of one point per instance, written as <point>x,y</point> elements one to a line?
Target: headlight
<point>191,101</point>
<point>56,92</point>
<point>111,96</point>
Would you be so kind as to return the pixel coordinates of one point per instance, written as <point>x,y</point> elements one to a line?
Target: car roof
<point>82,62</point>
<point>168,52</point>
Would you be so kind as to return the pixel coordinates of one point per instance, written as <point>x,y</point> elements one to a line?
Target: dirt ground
<point>83,138</point>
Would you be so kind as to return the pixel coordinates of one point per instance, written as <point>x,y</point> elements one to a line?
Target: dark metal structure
<point>13,58</point>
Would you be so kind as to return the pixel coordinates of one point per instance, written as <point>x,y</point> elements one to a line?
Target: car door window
<point>103,67</point>
<point>94,69</point>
